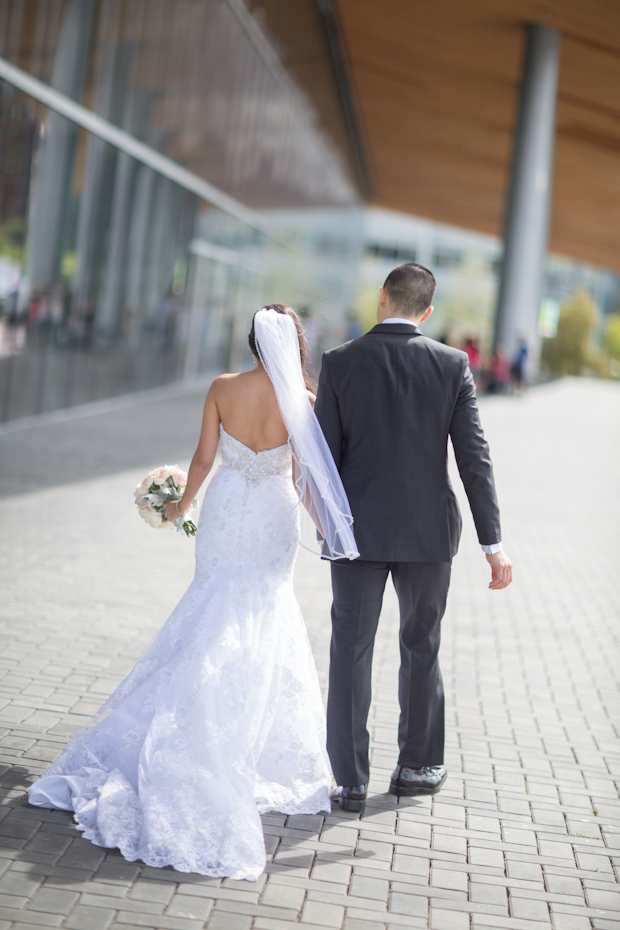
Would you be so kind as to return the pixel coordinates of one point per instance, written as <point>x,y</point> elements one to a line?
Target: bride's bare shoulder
<point>225,382</point>
<point>227,377</point>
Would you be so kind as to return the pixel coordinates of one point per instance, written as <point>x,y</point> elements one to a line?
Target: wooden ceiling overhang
<point>437,84</point>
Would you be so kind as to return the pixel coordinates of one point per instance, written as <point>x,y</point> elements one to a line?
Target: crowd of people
<point>497,373</point>
<point>502,374</point>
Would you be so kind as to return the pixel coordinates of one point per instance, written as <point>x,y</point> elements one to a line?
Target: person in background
<point>518,368</point>
<point>472,348</point>
<point>353,327</point>
<point>499,373</point>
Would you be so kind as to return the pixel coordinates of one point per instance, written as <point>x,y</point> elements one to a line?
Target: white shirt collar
<point>398,319</point>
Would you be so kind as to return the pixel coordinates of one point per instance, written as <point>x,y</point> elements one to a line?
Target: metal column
<point>527,220</point>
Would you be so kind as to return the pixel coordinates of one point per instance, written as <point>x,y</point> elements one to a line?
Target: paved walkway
<point>526,833</point>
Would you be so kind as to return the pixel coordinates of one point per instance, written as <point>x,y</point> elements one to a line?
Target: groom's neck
<point>386,312</point>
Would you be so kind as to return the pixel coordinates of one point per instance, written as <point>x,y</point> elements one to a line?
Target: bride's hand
<point>172,513</point>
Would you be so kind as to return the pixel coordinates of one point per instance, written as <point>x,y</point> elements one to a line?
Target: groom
<point>387,403</point>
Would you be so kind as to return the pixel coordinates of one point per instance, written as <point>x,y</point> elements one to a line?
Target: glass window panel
<point>101,289</point>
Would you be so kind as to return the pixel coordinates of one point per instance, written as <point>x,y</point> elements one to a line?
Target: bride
<point>221,718</point>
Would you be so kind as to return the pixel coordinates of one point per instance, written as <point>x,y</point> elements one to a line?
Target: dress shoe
<point>351,799</point>
<point>408,782</point>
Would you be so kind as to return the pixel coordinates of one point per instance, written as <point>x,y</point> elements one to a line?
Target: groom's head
<point>408,292</point>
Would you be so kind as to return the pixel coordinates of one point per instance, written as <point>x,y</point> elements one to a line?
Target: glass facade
<point>114,278</point>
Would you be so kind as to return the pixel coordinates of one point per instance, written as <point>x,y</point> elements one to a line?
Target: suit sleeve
<point>328,413</point>
<point>474,462</point>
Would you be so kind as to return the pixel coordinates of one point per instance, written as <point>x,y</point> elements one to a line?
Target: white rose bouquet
<point>161,486</point>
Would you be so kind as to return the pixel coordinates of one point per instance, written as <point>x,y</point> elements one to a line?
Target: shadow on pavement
<point>49,846</point>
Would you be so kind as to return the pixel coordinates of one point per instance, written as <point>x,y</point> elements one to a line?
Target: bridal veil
<point>316,476</point>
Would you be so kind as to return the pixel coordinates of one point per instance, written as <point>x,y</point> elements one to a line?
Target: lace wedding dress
<point>221,718</point>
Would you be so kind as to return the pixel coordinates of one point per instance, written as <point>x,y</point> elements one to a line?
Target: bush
<point>612,345</point>
<point>612,336</point>
<point>569,352</point>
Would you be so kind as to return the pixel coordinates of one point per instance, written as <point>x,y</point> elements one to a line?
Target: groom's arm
<point>328,412</point>
<point>474,463</point>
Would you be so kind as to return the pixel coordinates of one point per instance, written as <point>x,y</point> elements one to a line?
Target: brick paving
<point>526,833</point>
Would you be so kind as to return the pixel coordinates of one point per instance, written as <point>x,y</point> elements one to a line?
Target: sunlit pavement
<point>526,833</point>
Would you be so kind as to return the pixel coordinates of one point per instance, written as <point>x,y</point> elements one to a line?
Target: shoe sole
<point>347,804</point>
<point>412,792</point>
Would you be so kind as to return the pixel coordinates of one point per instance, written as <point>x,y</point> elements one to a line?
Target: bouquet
<point>162,485</point>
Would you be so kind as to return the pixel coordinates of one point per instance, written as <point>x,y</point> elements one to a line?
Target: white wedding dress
<point>221,718</point>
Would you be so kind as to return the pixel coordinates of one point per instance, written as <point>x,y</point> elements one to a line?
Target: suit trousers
<point>358,587</point>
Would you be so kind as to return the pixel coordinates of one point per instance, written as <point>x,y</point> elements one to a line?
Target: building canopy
<point>437,87</point>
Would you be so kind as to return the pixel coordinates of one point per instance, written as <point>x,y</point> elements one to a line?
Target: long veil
<point>316,476</point>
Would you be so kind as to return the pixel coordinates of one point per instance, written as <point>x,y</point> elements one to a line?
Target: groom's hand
<point>501,570</point>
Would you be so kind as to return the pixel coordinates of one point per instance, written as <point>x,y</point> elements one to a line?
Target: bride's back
<point>249,410</point>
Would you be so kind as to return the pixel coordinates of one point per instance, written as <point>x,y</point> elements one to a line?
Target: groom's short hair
<point>411,288</point>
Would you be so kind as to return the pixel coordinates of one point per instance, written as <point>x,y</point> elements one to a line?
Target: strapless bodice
<point>254,466</point>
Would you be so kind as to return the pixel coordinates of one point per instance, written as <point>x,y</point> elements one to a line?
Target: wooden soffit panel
<point>438,84</point>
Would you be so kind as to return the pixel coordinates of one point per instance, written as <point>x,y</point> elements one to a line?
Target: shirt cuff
<point>491,550</point>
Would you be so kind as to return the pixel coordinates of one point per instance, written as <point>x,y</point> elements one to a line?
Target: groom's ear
<point>425,315</point>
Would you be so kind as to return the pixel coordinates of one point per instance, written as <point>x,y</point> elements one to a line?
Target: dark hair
<point>306,359</point>
<point>411,288</point>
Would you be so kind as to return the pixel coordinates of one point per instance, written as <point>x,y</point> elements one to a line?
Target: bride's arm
<point>204,456</point>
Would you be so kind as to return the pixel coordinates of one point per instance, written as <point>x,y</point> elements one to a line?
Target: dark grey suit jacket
<point>387,403</point>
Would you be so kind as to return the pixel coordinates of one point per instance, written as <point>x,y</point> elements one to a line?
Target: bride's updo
<point>306,358</point>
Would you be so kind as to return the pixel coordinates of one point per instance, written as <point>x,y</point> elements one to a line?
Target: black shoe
<point>351,799</point>
<point>408,782</point>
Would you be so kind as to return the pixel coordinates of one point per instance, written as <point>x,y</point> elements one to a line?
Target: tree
<point>569,352</point>
<point>612,336</point>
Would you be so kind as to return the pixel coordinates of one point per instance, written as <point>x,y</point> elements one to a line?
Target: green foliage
<point>569,352</point>
<point>12,239</point>
<point>612,336</point>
